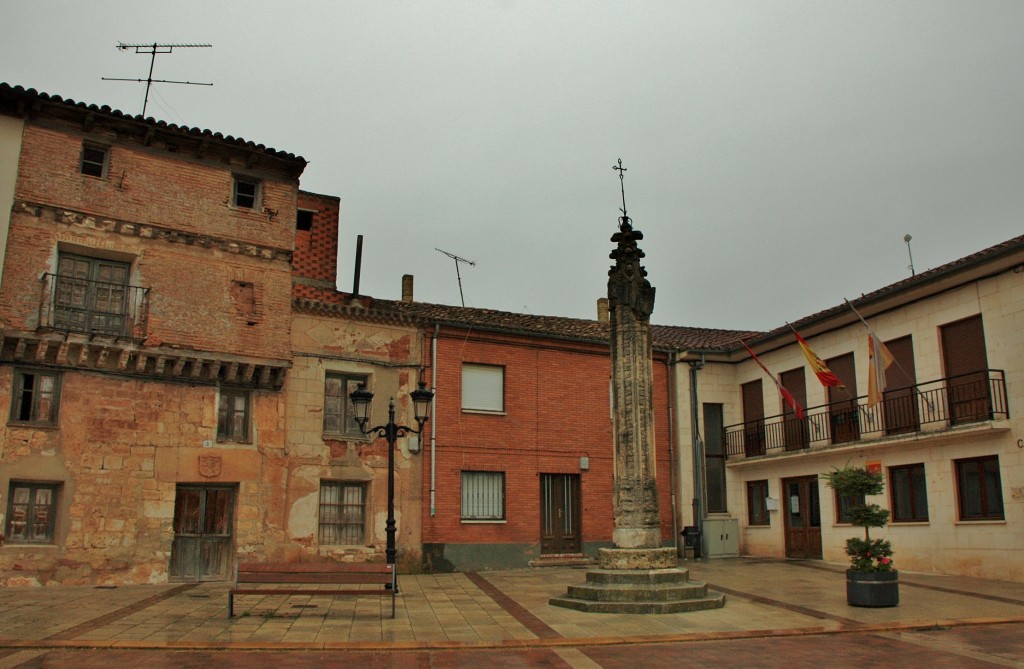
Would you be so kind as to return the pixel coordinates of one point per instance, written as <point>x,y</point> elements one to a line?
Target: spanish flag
<point>786,395</point>
<point>821,370</point>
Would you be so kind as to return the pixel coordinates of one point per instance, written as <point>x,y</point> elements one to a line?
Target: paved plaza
<point>777,613</point>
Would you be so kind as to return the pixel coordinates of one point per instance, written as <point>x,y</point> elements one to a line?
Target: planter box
<point>872,588</point>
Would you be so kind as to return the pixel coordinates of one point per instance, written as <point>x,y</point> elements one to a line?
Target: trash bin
<point>691,542</point>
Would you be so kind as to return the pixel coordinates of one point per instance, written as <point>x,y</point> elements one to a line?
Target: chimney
<point>407,287</point>
<point>602,310</point>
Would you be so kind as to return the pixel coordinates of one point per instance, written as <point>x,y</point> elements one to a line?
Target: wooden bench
<point>313,574</point>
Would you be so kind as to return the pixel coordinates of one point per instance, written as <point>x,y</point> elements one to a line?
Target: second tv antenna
<point>457,260</point>
<point>153,49</point>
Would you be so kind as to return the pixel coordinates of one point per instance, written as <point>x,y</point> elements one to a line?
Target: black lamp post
<point>361,399</point>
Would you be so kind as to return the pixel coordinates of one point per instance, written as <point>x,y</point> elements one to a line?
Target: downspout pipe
<point>433,423</point>
<point>698,457</point>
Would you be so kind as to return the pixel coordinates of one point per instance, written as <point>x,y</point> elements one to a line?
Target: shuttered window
<point>483,495</point>
<point>794,429</point>
<point>753,418</point>
<point>963,352</point>
<point>843,417</point>
<point>901,401</point>
<point>483,388</point>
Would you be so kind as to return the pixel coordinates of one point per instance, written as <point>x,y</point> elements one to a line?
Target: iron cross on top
<point>624,220</point>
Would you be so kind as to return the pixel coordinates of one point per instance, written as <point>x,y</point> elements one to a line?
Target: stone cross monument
<point>636,575</point>
<point>630,304</point>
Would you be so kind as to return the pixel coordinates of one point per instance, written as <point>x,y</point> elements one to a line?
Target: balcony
<point>69,304</point>
<point>925,407</point>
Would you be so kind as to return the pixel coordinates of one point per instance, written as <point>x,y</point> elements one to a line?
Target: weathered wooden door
<point>560,526</point>
<point>202,533</point>
<point>803,517</point>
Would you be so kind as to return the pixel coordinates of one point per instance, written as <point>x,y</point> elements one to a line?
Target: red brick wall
<point>316,250</point>
<point>557,409</point>
<point>190,279</point>
<point>152,187</point>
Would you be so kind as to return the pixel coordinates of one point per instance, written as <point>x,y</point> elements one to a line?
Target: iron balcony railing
<point>954,400</point>
<point>69,304</point>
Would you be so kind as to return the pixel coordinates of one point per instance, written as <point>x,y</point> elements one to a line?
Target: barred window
<point>342,513</point>
<point>483,495</point>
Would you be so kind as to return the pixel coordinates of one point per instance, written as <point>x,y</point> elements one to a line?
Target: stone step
<point>714,600</point>
<point>628,593</point>
<point>638,577</point>
<point>563,561</point>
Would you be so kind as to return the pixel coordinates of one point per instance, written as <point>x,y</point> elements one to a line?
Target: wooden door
<point>900,405</point>
<point>202,545</point>
<point>802,515</point>
<point>843,415</point>
<point>794,429</point>
<point>753,418</point>
<point>560,513</point>
<point>963,351</point>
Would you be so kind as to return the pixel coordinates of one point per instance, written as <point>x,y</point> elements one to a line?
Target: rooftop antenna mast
<point>457,260</point>
<point>153,49</point>
<point>907,239</point>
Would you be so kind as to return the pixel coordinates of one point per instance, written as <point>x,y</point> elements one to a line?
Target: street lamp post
<point>361,399</point>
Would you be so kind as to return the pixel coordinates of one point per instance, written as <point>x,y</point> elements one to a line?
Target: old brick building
<point>145,320</point>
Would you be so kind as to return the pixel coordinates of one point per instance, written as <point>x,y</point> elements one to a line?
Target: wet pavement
<point>778,613</point>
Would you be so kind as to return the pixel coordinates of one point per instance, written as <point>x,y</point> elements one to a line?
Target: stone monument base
<point>639,580</point>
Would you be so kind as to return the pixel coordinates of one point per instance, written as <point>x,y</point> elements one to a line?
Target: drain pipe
<point>433,423</point>
<point>698,457</point>
<point>670,382</point>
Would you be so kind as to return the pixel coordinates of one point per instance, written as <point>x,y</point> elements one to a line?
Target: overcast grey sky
<point>777,152</point>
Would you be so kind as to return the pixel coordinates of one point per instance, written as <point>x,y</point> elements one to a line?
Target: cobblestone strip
<point>523,616</point>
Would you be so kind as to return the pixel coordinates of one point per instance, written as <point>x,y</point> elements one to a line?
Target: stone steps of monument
<point>638,577</point>
<point>714,600</point>
<point>631,593</point>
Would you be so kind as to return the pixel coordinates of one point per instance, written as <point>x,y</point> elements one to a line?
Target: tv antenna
<point>154,49</point>
<point>457,260</point>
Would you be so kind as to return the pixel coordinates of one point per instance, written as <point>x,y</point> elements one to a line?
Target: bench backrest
<point>382,574</point>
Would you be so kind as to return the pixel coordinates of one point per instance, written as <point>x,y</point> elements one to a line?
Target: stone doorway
<point>203,538</point>
<point>560,514</point>
<point>802,517</point>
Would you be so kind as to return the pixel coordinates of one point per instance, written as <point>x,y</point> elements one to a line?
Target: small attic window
<point>94,160</point>
<point>304,219</point>
<point>246,193</point>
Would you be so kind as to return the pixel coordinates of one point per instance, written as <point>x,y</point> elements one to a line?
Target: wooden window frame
<point>246,200</point>
<point>340,407</point>
<point>918,499</point>
<point>843,505</point>
<point>757,504</point>
<point>991,509</point>
<point>50,534</point>
<point>226,413</point>
<point>34,397</point>
<point>92,165</point>
<point>339,525</point>
<point>489,478</point>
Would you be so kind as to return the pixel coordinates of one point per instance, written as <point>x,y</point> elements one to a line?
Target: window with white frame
<point>245,193</point>
<point>483,495</point>
<point>342,519</point>
<point>339,417</point>
<point>483,388</point>
<point>95,159</point>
